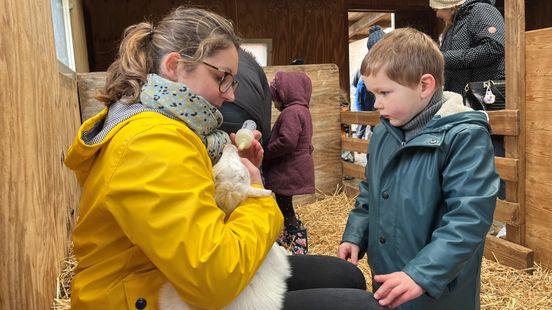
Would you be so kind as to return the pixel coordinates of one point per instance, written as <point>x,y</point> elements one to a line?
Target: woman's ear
<point>428,86</point>
<point>169,66</point>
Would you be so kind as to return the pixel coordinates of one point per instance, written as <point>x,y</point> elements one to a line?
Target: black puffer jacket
<point>474,46</point>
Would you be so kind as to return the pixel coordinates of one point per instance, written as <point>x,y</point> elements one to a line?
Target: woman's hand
<point>253,153</point>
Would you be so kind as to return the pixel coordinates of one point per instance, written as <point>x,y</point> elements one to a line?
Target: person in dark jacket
<point>288,165</point>
<point>252,101</point>
<point>429,194</point>
<point>473,47</point>
<point>472,42</point>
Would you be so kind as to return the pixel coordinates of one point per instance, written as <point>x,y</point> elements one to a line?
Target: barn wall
<point>38,118</point>
<point>538,178</point>
<point>315,30</point>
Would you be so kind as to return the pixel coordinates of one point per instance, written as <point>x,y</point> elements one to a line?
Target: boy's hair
<point>405,54</point>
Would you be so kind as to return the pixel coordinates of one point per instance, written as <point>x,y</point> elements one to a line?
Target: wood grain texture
<point>538,180</point>
<point>514,20</point>
<point>508,253</point>
<point>38,121</point>
<point>354,144</point>
<point>507,212</point>
<point>315,30</point>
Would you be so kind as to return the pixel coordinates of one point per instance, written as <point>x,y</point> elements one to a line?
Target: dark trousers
<point>326,282</point>
<point>285,203</point>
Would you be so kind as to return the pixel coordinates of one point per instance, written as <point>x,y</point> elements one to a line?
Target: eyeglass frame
<point>234,84</point>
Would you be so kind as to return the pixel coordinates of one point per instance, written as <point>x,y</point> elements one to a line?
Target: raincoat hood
<point>291,88</point>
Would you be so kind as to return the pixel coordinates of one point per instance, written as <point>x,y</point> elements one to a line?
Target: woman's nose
<point>229,95</point>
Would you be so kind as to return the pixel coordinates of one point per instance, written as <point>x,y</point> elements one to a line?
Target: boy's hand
<point>255,152</point>
<point>348,250</point>
<point>396,289</point>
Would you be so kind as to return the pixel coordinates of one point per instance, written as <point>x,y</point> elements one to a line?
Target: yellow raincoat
<point>147,216</point>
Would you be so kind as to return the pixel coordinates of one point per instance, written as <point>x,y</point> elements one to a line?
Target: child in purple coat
<point>288,164</point>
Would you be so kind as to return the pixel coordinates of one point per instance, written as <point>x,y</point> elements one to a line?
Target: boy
<point>430,190</point>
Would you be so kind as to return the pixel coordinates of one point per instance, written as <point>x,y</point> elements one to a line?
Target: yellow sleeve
<point>162,195</point>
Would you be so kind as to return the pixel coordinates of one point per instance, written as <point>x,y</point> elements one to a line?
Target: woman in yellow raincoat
<point>147,212</point>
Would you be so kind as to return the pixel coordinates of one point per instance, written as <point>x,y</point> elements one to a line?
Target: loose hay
<point>502,287</point>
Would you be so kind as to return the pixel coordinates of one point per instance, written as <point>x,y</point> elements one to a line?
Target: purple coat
<point>288,164</point>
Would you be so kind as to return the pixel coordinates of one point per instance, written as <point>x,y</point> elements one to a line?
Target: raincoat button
<point>385,195</point>
<point>141,303</point>
<point>432,141</point>
<point>382,240</point>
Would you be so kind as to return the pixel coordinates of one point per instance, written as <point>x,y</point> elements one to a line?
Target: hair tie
<point>151,33</point>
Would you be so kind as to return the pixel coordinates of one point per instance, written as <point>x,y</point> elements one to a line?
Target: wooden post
<point>514,14</point>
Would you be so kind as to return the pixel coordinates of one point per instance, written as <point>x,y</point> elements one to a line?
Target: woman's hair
<point>405,54</point>
<point>193,33</point>
<point>448,24</point>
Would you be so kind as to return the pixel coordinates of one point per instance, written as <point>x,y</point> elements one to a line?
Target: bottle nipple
<point>244,136</point>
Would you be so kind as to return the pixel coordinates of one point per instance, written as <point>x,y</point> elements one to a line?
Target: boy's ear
<point>428,85</point>
<point>169,66</point>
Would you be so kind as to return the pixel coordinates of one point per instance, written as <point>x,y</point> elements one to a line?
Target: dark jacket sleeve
<point>486,46</point>
<point>470,185</point>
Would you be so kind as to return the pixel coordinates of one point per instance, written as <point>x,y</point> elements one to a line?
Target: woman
<point>147,211</point>
<point>472,42</point>
<point>473,47</point>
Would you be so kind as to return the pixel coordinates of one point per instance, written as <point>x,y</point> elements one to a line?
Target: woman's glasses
<point>227,81</point>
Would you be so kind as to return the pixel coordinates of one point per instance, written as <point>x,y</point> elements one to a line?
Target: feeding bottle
<point>245,136</point>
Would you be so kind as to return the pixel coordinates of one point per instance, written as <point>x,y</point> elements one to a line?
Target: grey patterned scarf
<point>200,116</point>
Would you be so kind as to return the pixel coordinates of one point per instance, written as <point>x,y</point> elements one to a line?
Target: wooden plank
<point>365,22</point>
<point>538,161</point>
<point>508,253</point>
<point>79,36</point>
<point>38,120</point>
<point>514,19</point>
<point>361,118</point>
<point>350,188</point>
<point>507,168</point>
<point>88,85</point>
<point>504,122</point>
<point>354,144</point>
<point>352,170</point>
<point>507,212</point>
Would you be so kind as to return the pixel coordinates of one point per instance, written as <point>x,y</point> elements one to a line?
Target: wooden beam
<point>365,22</point>
<point>507,212</point>
<point>508,253</point>
<point>350,188</point>
<point>361,118</point>
<point>507,168</point>
<point>353,170</point>
<point>354,144</point>
<point>504,122</point>
<point>514,18</point>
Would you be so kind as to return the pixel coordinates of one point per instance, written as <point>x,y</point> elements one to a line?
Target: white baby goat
<point>267,288</point>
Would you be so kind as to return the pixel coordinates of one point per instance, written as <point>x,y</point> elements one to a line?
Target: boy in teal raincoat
<point>429,195</point>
